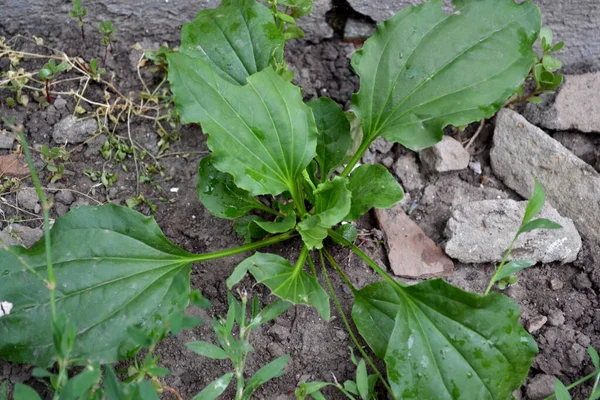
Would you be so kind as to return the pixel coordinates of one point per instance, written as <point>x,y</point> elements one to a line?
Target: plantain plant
<point>273,169</point>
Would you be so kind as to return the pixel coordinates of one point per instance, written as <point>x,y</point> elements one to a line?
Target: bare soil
<point>566,294</point>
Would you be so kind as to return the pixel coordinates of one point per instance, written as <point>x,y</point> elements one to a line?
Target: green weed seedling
<point>542,74</point>
<point>95,72</point>
<point>272,171</point>
<point>78,12</point>
<point>237,347</point>
<point>54,159</point>
<point>561,392</point>
<point>107,29</point>
<point>48,72</point>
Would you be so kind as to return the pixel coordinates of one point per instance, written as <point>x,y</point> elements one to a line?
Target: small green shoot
<point>107,29</point>
<point>54,159</point>
<point>505,273</point>
<point>237,349</point>
<point>78,12</point>
<point>48,72</point>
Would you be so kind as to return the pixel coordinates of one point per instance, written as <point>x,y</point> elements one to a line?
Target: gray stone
<point>60,103</point>
<point>368,157</point>
<point>315,25</point>
<point>381,145</point>
<point>522,151</point>
<point>482,231</point>
<point>70,130</point>
<point>556,284</point>
<point>447,155</point>
<point>388,162</point>
<point>536,323</point>
<point>381,10</point>
<point>27,198</point>
<point>16,234</point>
<point>540,387</point>
<point>407,170</point>
<point>7,140</point>
<point>65,197</point>
<point>572,21</point>
<point>358,30</point>
<point>576,106</point>
<point>584,146</point>
<point>556,317</point>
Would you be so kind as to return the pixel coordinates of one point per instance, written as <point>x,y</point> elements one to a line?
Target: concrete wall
<point>576,22</point>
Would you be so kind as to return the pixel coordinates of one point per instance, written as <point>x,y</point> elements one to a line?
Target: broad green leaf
<point>246,228</point>
<point>351,387</point>
<point>237,39</point>
<point>81,383</point>
<point>281,224</point>
<point>558,46</point>
<point>550,63</point>
<point>147,391</point>
<point>513,267</point>
<point>594,356</point>
<point>332,204</point>
<point>311,387</point>
<point>286,281</point>
<point>372,185</point>
<point>439,342</point>
<point>348,232</point>
<point>560,391</point>
<point>272,370</point>
<point>362,380</point>
<point>262,133</point>
<point>535,203</point>
<point>270,312</point>
<point>114,270</point>
<point>215,388</point>
<point>334,139</point>
<point>540,223</point>
<point>23,392</point>
<point>207,350</point>
<point>546,37</point>
<point>424,69</point>
<point>219,194</point>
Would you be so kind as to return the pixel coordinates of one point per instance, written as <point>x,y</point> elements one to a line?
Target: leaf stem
<point>260,206</point>
<point>345,319</point>
<point>357,156</point>
<point>504,259</point>
<point>51,283</point>
<point>339,238</point>
<point>241,249</point>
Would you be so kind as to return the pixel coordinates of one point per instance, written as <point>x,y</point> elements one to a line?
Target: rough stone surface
<point>576,106</point>
<point>358,30</point>
<point>407,170</point>
<point>481,231</point>
<point>410,252</point>
<point>447,155</point>
<point>16,234</point>
<point>381,145</point>
<point>7,140</point>
<point>536,323</point>
<point>522,151</point>
<point>572,21</point>
<point>70,130</point>
<point>13,166</point>
<point>27,198</point>
<point>540,387</point>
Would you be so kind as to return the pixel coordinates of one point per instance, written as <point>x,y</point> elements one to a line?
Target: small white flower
<point>5,308</point>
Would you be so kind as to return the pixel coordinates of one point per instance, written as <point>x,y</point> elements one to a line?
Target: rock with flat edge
<point>410,252</point>
<point>522,151</point>
<point>13,166</point>
<point>447,155</point>
<point>576,106</point>
<point>16,234</point>
<point>73,131</point>
<point>7,140</point>
<point>540,387</point>
<point>481,231</point>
